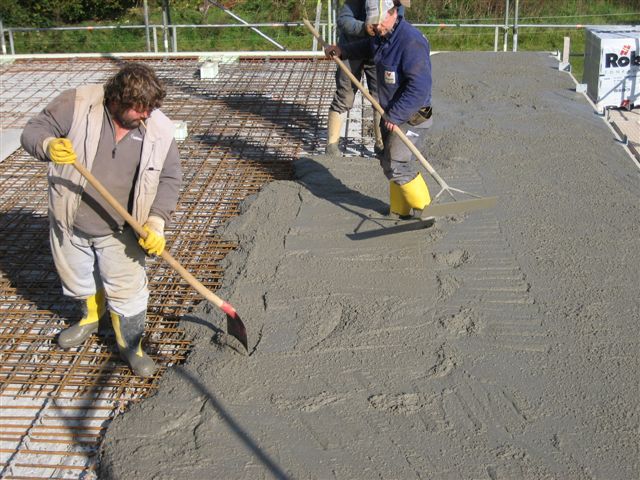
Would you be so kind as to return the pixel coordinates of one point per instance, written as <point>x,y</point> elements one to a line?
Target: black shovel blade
<point>236,329</point>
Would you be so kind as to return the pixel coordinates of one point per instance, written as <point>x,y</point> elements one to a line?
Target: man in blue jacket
<point>403,69</point>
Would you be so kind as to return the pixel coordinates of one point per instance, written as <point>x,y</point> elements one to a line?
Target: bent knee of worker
<point>343,99</point>
<point>127,302</point>
<point>402,172</point>
<point>342,102</point>
<point>127,289</point>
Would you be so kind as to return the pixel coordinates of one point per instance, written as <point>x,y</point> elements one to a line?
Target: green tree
<point>49,13</point>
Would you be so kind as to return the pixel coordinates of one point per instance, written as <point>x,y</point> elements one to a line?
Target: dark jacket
<point>403,68</point>
<point>350,21</point>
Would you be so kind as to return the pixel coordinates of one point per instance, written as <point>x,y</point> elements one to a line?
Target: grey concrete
<point>9,141</point>
<point>498,345</point>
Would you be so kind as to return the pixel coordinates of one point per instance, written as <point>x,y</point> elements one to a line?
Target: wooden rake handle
<point>193,281</point>
<point>380,110</point>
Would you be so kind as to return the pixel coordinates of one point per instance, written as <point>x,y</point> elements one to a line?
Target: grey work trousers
<point>114,262</point>
<point>346,90</point>
<point>397,162</point>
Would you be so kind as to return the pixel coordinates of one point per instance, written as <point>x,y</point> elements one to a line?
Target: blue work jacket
<point>403,69</point>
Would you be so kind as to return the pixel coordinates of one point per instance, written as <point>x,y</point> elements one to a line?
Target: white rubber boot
<point>333,133</point>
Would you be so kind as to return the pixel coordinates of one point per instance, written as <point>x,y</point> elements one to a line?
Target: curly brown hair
<point>135,86</point>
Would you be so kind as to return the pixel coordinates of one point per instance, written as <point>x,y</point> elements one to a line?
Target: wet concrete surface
<point>500,344</point>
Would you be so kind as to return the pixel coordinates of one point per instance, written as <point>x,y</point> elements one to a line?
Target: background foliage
<point>49,13</point>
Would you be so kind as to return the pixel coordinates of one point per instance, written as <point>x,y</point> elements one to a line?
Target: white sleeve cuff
<point>45,144</point>
<point>156,224</point>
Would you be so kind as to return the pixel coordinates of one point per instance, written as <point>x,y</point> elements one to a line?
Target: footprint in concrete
<point>444,363</point>
<point>313,329</point>
<point>307,404</point>
<point>437,364</point>
<point>447,285</point>
<point>434,233</point>
<point>452,259</point>
<point>402,403</point>
<point>511,452</point>
<point>465,322</point>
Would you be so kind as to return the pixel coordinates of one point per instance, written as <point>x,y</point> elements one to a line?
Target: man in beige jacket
<point>117,132</point>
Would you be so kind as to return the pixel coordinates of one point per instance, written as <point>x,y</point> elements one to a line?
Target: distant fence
<point>163,38</point>
<point>166,37</point>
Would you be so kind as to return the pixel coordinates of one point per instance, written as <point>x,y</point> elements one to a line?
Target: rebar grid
<point>246,127</point>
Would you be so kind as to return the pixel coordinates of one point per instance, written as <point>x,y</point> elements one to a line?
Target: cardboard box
<point>612,66</point>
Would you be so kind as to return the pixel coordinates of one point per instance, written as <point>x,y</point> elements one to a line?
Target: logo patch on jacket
<point>389,77</point>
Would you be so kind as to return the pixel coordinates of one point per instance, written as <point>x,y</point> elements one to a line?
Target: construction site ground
<point>498,344</point>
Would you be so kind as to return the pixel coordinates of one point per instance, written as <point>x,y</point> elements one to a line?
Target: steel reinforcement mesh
<point>245,127</point>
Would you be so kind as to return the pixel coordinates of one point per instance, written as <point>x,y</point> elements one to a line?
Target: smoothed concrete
<point>501,344</point>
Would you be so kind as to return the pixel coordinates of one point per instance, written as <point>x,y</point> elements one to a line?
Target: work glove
<point>60,151</point>
<point>155,242</point>
<point>332,51</point>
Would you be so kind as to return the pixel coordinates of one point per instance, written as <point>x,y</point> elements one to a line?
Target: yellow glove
<point>154,243</point>
<point>60,151</point>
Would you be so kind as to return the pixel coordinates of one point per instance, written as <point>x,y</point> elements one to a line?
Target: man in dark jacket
<point>97,255</point>
<point>351,27</point>
<point>403,68</point>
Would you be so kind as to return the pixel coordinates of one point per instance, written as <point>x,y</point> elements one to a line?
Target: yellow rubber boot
<point>416,193</point>
<point>397,203</point>
<point>333,133</point>
<point>93,308</point>
<point>129,331</point>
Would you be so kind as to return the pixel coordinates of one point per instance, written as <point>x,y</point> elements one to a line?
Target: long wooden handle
<point>193,281</point>
<point>380,110</point>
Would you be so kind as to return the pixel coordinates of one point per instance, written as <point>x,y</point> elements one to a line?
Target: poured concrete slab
<point>499,344</point>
